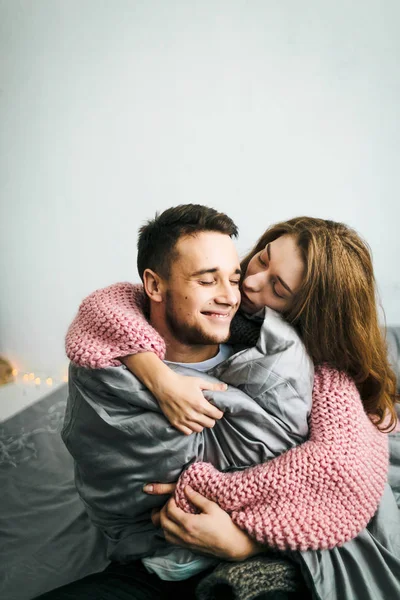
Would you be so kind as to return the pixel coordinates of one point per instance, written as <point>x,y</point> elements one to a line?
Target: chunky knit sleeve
<point>315,496</point>
<point>111,323</point>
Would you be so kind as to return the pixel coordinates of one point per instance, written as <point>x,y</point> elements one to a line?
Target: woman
<point>334,312</point>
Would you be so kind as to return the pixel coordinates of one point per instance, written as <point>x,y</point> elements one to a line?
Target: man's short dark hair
<point>159,236</point>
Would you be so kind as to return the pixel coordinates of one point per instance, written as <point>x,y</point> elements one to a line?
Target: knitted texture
<point>316,496</point>
<point>111,324</point>
<point>272,576</point>
<point>243,331</point>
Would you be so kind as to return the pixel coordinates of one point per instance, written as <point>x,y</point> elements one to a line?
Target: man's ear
<point>153,285</point>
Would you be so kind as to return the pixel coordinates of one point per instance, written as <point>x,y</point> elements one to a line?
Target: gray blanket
<point>120,440</point>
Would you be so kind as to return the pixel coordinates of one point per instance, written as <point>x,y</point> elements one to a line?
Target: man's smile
<point>217,315</point>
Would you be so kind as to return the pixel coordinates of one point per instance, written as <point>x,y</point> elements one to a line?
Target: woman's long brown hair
<point>335,310</point>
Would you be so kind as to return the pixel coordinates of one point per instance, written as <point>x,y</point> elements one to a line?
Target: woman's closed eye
<point>276,293</point>
<point>278,290</point>
<point>260,260</point>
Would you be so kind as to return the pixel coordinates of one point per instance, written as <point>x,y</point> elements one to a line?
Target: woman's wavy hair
<point>335,310</point>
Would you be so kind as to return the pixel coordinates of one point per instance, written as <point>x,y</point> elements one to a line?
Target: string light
<point>30,379</point>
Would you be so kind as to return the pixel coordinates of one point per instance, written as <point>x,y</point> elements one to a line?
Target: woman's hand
<point>182,401</point>
<point>180,398</point>
<point>211,532</point>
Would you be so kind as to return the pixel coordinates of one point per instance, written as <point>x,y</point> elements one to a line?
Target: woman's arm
<point>315,496</point>
<point>111,324</point>
<point>180,398</point>
<point>111,328</point>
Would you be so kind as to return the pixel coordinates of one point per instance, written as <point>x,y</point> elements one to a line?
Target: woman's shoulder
<point>120,297</point>
<point>115,292</point>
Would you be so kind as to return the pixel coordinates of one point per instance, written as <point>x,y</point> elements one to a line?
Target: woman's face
<point>273,276</point>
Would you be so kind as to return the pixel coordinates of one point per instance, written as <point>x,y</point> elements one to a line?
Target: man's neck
<point>183,353</point>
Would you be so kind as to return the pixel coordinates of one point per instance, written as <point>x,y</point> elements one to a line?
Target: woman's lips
<point>246,299</point>
<point>248,305</point>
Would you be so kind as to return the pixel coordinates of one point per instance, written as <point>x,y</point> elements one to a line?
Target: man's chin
<point>206,330</point>
<point>215,337</point>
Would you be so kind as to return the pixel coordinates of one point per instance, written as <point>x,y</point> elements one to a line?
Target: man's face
<point>202,291</point>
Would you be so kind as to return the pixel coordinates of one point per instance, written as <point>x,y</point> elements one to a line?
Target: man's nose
<point>228,294</point>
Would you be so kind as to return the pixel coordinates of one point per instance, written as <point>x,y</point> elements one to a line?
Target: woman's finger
<point>186,429</point>
<point>194,426</point>
<point>159,489</point>
<point>212,411</point>
<point>214,387</point>
<point>200,421</point>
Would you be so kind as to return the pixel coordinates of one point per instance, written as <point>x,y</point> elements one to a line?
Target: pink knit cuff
<point>111,324</point>
<point>226,489</point>
<point>203,478</point>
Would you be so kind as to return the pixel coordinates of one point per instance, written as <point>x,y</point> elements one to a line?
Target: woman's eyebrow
<point>285,285</point>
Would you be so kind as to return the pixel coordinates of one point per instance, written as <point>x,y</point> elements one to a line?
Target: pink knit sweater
<point>317,495</point>
<point>110,324</point>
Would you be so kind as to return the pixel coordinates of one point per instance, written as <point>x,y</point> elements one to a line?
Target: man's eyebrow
<point>213,270</point>
<point>285,285</point>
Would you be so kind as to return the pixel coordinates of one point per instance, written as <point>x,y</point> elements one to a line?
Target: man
<point>114,427</point>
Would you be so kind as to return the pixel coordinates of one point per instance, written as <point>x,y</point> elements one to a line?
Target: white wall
<point>265,109</point>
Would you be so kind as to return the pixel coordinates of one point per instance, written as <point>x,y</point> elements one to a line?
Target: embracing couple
<point>263,388</point>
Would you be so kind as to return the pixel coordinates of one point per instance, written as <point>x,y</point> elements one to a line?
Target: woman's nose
<point>254,283</point>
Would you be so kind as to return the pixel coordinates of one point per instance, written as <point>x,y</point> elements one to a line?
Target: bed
<point>46,538</point>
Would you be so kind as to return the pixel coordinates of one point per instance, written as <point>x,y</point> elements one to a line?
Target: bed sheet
<point>46,538</point>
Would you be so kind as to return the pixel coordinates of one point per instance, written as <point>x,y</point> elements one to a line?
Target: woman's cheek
<point>265,300</point>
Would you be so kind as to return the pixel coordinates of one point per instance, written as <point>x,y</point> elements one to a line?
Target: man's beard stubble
<point>190,335</point>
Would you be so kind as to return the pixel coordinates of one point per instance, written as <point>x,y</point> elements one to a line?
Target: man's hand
<point>211,532</point>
